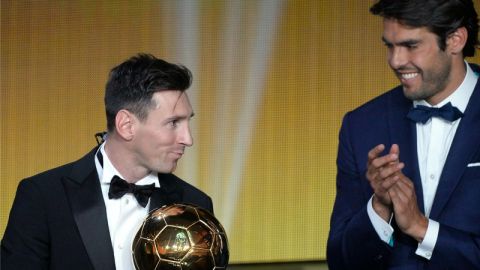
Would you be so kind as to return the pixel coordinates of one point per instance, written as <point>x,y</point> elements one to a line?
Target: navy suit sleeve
<point>456,249</point>
<point>353,242</point>
<point>25,244</point>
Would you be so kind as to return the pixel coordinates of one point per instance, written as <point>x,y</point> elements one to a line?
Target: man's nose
<point>397,57</point>
<point>186,136</point>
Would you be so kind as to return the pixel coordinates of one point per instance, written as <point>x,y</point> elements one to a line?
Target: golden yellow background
<point>270,168</point>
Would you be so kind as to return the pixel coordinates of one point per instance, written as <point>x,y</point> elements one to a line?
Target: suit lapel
<point>88,208</point>
<point>168,192</point>
<point>403,132</point>
<point>157,200</point>
<point>465,143</point>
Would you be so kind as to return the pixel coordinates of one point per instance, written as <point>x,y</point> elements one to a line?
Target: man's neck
<point>457,75</point>
<point>123,160</point>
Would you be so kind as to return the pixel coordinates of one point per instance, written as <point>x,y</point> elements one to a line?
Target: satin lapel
<point>157,200</point>
<point>465,144</point>
<point>403,132</point>
<point>168,193</point>
<point>89,211</point>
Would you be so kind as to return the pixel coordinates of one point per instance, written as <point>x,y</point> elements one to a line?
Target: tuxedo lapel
<point>157,200</point>
<point>465,144</point>
<point>168,193</point>
<point>88,207</point>
<point>403,132</point>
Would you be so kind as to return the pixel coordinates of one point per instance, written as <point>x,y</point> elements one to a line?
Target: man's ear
<point>124,124</point>
<point>456,41</point>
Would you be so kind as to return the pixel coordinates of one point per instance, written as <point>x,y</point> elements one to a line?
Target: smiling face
<point>424,70</point>
<point>160,140</point>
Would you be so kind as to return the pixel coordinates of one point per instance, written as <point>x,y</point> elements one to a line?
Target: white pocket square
<point>476,164</point>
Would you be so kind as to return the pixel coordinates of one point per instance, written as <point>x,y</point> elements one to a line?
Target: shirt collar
<point>460,97</point>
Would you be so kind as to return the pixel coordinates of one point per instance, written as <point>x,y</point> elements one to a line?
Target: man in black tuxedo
<point>74,216</point>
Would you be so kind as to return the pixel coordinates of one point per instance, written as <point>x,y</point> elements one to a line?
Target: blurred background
<point>272,81</point>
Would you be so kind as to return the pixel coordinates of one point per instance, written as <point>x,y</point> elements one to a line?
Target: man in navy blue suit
<point>408,179</point>
<point>84,215</point>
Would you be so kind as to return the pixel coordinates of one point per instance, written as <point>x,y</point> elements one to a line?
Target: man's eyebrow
<point>179,117</point>
<point>385,41</point>
<point>404,43</point>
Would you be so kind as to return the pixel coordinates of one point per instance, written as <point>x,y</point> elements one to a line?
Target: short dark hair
<point>132,84</point>
<point>441,17</point>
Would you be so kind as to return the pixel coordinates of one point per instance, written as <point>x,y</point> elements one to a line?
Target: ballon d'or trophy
<point>180,237</point>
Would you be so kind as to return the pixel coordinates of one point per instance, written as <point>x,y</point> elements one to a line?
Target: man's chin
<point>170,169</point>
<point>411,93</point>
<point>173,167</point>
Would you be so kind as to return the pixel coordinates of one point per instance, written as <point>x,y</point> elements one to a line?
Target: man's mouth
<point>408,76</point>
<point>179,154</point>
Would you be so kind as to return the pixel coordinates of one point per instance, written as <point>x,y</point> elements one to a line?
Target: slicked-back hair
<point>131,85</point>
<point>441,17</point>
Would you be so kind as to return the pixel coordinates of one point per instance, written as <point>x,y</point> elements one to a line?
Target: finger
<point>398,197</point>
<point>378,175</point>
<point>374,152</point>
<point>395,149</point>
<point>386,160</point>
<point>372,176</point>
<point>402,196</point>
<point>405,186</point>
<point>389,182</point>
<point>391,169</point>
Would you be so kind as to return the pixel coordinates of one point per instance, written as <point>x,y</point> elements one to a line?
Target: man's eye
<point>174,123</point>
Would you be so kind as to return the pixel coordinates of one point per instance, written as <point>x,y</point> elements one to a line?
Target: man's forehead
<point>172,97</point>
<point>173,101</point>
<point>394,28</point>
<point>396,23</point>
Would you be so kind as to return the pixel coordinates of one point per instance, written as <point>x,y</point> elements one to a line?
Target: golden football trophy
<point>180,237</point>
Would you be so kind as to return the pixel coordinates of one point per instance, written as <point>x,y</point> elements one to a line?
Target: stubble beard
<point>433,82</point>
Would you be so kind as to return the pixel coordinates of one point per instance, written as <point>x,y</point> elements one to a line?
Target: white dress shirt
<point>434,139</point>
<point>124,215</point>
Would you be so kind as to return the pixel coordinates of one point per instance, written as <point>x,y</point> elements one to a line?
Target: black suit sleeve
<point>25,244</point>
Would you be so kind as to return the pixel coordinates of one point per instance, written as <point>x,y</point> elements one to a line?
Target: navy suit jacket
<point>353,242</point>
<point>58,219</point>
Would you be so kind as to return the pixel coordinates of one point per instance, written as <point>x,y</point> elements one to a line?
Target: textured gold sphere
<point>180,237</point>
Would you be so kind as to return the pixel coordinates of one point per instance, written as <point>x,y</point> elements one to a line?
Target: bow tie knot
<point>422,113</point>
<point>120,187</point>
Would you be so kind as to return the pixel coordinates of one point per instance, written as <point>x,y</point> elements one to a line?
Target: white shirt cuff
<point>425,248</point>
<point>383,229</point>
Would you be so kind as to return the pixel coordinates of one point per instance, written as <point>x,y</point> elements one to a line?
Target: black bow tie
<point>120,187</point>
<point>423,113</point>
